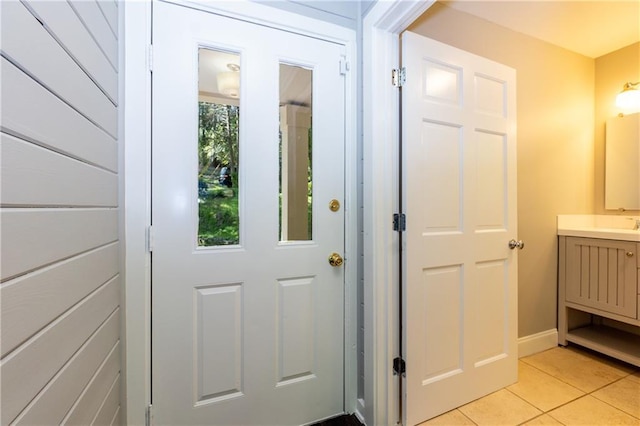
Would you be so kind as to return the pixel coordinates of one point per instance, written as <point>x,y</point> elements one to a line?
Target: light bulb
<point>629,98</point>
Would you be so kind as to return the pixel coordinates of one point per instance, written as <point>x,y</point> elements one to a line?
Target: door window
<point>296,148</point>
<point>218,148</point>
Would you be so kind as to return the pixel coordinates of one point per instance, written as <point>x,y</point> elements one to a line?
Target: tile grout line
<point>584,393</point>
<point>625,375</point>
<point>540,415</point>
<point>554,377</point>
<point>573,386</point>
<point>467,417</point>
<point>542,412</point>
<point>610,405</point>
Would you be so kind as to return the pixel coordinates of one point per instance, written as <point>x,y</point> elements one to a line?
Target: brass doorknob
<point>335,260</point>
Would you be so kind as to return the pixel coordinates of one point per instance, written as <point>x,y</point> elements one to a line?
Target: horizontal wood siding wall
<point>59,254</point>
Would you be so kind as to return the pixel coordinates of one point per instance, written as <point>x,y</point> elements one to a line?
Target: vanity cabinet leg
<point>562,276</point>
<point>562,326</point>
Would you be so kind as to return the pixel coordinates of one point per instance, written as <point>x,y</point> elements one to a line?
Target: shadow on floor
<point>344,420</point>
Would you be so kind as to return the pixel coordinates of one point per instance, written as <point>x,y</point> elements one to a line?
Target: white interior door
<point>459,180</point>
<point>248,314</point>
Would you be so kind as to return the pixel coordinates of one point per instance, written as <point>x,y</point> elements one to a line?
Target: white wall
<point>60,272</point>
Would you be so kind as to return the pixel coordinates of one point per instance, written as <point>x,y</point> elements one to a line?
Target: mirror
<point>622,163</point>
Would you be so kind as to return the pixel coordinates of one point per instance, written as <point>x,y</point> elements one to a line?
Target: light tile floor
<point>561,386</point>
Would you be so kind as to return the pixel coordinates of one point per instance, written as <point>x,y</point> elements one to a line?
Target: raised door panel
<point>296,345</point>
<point>218,329</point>
<point>442,286</point>
<point>489,312</point>
<point>490,172</point>
<point>440,158</point>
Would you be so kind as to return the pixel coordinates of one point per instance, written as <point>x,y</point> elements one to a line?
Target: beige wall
<point>555,144</point>
<point>612,71</point>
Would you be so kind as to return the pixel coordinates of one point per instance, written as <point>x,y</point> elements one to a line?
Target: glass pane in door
<point>296,177</point>
<point>218,147</point>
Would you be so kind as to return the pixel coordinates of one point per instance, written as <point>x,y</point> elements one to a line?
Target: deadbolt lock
<point>334,205</point>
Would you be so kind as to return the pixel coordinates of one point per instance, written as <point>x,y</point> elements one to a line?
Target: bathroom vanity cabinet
<point>599,295</point>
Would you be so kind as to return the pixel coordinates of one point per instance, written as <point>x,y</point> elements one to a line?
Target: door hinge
<point>399,366</point>
<point>399,222</point>
<point>398,76</point>
<point>148,419</point>
<point>150,58</point>
<point>150,238</point>
<point>345,66</point>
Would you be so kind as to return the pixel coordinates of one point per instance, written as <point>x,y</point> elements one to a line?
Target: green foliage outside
<point>217,149</point>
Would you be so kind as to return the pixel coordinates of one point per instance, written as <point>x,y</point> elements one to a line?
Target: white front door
<point>248,154</point>
<point>459,180</point>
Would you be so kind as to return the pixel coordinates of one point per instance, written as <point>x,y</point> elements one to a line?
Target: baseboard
<point>534,343</point>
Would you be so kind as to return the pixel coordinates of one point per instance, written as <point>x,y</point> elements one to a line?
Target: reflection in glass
<point>218,147</point>
<point>296,183</point>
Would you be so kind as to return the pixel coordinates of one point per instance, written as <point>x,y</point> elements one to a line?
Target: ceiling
<point>591,28</point>
<point>210,64</point>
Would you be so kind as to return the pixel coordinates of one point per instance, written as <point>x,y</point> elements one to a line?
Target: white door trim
<point>136,136</point>
<point>381,28</point>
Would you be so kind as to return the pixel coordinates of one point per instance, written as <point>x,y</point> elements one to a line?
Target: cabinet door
<point>602,274</point>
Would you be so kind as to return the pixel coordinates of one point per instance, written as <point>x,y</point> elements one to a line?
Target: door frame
<point>135,155</point>
<point>381,172</point>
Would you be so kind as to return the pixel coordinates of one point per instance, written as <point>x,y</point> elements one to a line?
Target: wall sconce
<point>229,82</point>
<point>629,98</point>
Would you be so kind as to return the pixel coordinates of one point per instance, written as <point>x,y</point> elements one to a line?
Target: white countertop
<point>599,226</point>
